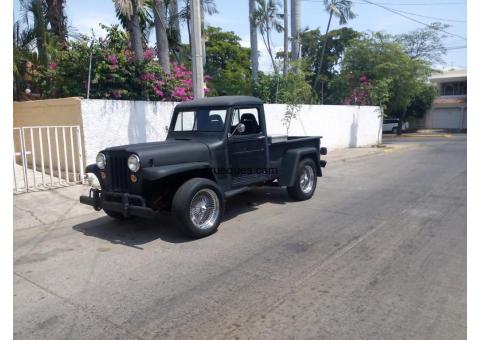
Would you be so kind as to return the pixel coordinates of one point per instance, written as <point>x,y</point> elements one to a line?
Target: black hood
<point>165,153</point>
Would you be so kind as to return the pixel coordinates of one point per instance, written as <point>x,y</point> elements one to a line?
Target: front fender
<point>291,159</point>
<point>156,173</point>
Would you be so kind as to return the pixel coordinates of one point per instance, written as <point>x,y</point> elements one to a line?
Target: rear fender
<point>291,161</point>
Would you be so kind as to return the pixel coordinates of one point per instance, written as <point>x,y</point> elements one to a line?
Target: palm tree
<point>285,37</point>
<point>36,9</point>
<point>161,27</point>
<point>253,39</point>
<point>342,10</point>
<point>268,19</point>
<point>56,18</point>
<point>295,21</point>
<point>130,10</point>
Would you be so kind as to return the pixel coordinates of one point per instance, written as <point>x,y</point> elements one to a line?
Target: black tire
<point>299,191</point>
<point>116,215</point>
<point>183,203</point>
<point>394,130</point>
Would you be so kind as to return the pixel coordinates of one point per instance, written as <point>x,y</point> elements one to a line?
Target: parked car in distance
<point>391,125</point>
<point>215,148</point>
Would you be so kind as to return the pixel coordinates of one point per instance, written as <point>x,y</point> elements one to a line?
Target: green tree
<point>425,43</point>
<point>292,89</point>
<point>37,10</point>
<point>227,63</point>
<point>312,42</point>
<point>375,58</point>
<point>422,101</point>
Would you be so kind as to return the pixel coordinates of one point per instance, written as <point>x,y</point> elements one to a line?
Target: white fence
<point>46,157</point>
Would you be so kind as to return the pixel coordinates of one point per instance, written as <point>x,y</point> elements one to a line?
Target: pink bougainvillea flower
<point>149,54</point>
<point>158,92</point>
<point>206,90</point>
<point>363,78</point>
<point>179,92</point>
<point>148,76</point>
<point>187,81</point>
<point>53,66</point>
<point>112,59</point>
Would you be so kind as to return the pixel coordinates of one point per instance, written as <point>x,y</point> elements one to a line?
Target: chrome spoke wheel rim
<point>307,179</point>
<point>204,208</point>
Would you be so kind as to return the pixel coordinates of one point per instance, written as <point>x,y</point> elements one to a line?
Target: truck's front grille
<point>117,172</point>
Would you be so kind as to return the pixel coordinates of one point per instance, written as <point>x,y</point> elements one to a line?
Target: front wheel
<point>198,207</point>
<point>305,181</point>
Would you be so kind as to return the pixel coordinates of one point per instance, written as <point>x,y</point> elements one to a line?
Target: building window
<point>458,88</point>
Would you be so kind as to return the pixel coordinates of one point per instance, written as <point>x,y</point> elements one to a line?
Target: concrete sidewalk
<point>47,208</point>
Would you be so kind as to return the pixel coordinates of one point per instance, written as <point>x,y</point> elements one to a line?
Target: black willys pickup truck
<point>215,148</point>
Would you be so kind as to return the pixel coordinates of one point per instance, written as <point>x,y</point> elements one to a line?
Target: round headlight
<point>134,163</point>
<point>101,161</point>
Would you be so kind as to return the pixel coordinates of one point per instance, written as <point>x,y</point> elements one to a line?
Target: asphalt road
<point>378,253</point>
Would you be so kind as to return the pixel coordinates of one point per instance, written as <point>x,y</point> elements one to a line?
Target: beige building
<point>449,109</point>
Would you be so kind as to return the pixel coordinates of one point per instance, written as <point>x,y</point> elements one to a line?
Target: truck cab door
<point>247,151</point>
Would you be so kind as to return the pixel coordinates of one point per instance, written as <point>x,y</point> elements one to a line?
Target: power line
<point>428,17</point>
<point>419,3</point>
<point>404,3</point>
<point>412,19</point>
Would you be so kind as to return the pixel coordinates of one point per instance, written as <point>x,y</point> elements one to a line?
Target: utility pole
<point>285,37</point>
<point>197,58</point>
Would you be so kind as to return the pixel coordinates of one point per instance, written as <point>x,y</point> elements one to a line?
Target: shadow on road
<point>137,231</point>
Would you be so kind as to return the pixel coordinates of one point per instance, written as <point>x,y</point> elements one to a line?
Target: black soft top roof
<point>220,101</point>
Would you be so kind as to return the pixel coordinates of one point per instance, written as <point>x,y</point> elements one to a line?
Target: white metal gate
<point>46,157</point>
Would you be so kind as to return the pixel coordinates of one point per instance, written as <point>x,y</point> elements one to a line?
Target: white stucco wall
<point>341,126</point>
<point>111,122</point>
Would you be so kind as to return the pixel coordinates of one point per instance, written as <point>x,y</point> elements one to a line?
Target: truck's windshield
<point>203,120</point>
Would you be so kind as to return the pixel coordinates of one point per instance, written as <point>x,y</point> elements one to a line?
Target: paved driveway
<point>379,252</point>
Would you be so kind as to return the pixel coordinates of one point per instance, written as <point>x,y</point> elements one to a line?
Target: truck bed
<point>278,145</point>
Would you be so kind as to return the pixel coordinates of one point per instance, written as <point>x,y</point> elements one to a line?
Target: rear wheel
<point>394,130</point>
<point>198,207</point>
<point>305,181</point>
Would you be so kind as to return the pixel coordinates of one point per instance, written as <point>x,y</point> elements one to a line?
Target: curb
<point>438,135</point>
<point>378,151</point>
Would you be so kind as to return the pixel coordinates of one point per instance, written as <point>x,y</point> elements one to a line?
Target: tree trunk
<point>161,35</point>
<point>189,30</point>
<point>270,52</point>
<point>253,40</point>
<point>56,18</point>
<point>173,9</point>
<point>296,23</point>
<point>40,31</point>
<point>285,37</point>
<point>317,77</point>
<point>136,32</point>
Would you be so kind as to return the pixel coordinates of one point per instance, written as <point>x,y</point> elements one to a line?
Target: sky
<point>84,15</point>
